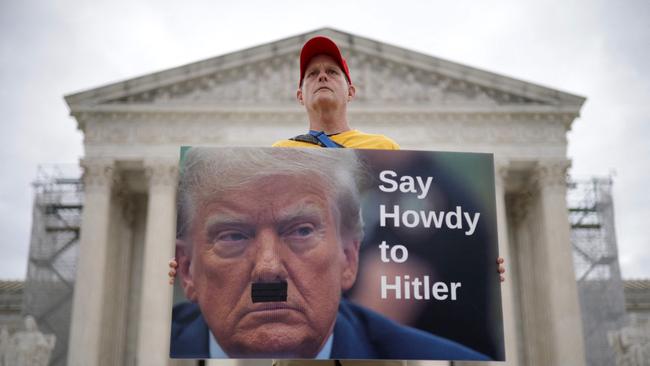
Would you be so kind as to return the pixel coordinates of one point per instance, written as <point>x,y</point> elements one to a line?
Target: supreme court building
<point>132,134</point>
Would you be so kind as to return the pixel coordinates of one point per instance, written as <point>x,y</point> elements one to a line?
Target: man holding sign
<point>313,324</point>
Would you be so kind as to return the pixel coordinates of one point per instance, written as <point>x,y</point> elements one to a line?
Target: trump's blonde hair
<point>207,173</point>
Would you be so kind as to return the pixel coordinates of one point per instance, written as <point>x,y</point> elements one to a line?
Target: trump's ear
<point>184,258</point>
<point>350,264</point>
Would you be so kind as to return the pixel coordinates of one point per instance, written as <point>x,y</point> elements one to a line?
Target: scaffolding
<point>595,258</point>
<point>53,252</point>
<point>593,238</point>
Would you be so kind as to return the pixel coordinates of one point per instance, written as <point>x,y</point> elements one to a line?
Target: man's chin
<point>325,100</point>
<point>275,342</point>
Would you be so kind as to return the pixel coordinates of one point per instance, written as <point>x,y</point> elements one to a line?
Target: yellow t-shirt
<point>353,139</point>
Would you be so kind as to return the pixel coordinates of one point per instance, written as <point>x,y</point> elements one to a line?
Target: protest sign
<point>337,253</point>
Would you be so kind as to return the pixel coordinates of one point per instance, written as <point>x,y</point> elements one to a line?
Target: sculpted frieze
<point>268,82</point>
<point>274,81</point>
<point>213,128</point>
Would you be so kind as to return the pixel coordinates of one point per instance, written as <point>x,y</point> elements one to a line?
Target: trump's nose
<point>269,264</point>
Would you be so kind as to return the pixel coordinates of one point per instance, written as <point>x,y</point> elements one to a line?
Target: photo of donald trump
<point>267,242</point>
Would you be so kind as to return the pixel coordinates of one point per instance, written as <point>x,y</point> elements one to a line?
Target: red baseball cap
<point>321,45</point>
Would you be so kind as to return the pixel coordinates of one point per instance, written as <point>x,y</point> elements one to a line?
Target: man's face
<point>276,228</point>
<point>324,85</point>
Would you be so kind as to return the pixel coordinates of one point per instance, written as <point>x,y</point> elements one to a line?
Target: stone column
<point>523,277</point>
<point>89,293</point>
<point>565,338</point>
<point>115,317</point>
<point>155,310</point>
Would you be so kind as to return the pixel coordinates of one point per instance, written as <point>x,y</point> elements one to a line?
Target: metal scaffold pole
<point>53,252</point>
<point>595,258</point>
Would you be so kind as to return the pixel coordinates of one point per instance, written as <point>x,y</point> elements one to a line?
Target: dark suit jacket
<point>358,334</point>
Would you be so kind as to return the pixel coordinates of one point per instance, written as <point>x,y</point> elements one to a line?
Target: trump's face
<point>279,228</point>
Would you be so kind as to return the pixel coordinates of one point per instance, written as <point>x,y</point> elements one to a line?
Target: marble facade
<point>132,134</point>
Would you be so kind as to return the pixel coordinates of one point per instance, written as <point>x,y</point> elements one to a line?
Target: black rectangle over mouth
<point>269,291</point>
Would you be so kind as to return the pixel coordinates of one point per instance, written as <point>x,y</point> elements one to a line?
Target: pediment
<point>266,75</point>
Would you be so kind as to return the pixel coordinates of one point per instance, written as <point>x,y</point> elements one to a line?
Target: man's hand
<point>501,269</point>
<point>172,270</point>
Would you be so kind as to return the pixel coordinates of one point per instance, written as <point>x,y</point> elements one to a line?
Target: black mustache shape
<point>269,291</point>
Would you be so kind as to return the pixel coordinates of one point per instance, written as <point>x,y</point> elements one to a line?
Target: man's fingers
<point>172,272</point>
<point>501,269</point>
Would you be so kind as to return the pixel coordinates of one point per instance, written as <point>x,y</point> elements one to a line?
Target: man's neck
<point>330,126</point>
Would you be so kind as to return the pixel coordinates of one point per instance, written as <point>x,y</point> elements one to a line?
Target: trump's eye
<point>301,231</point>
<point>230,236</point>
